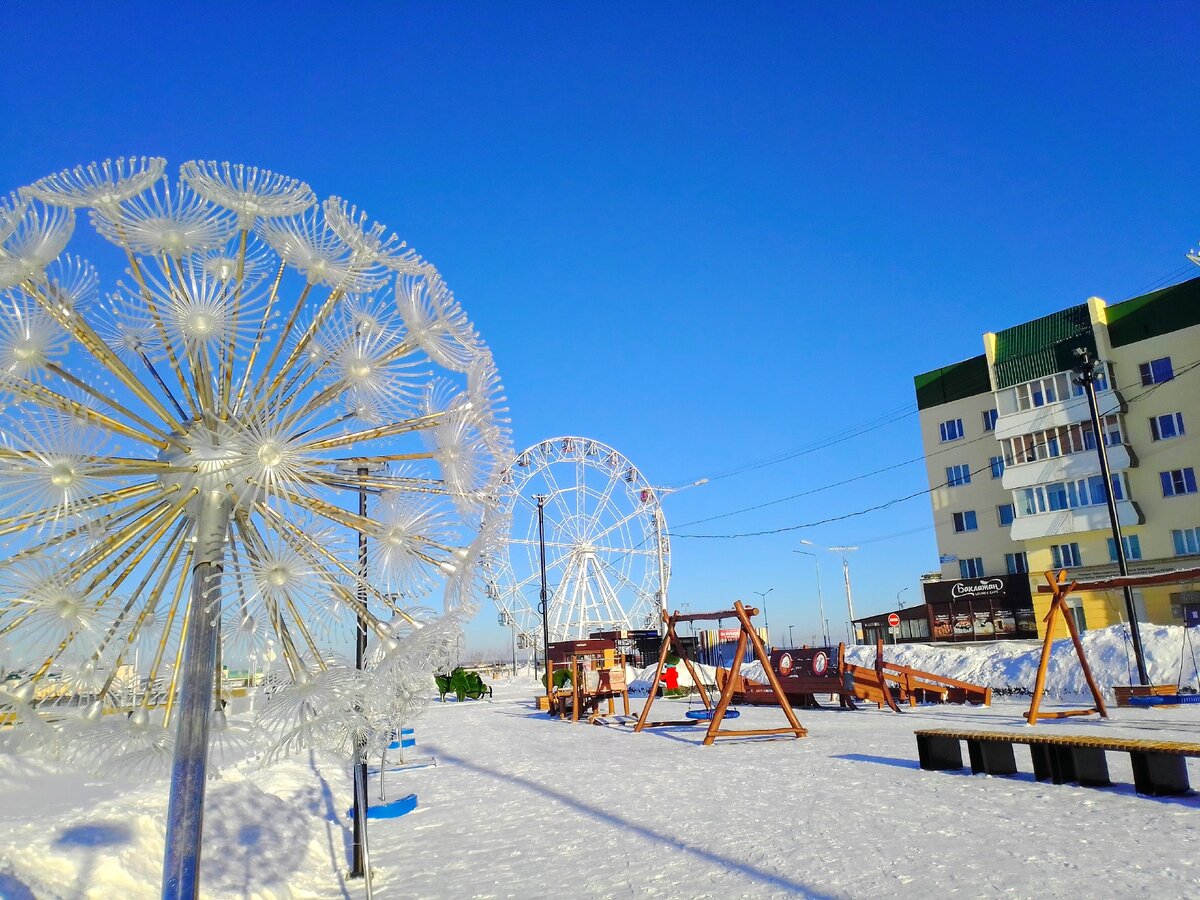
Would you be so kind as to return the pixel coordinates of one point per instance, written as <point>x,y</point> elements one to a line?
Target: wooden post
<point>664,651</point>
<point>883,685</point>
<point>1087,670</point>
<point>1058,607</point>
<point>772,679</point>
<point>714,724</point>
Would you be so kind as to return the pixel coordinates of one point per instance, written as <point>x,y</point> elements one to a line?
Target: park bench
<point>1159,767</point>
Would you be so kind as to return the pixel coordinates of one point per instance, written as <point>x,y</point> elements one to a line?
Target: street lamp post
<point>820,599</point>
<point>899,602</point>
<point>545,594</point>
<point>791,640</point>
<point>846,575</point>
<point>766,624</point>
<point>660,531</point>
<point>1085,372</point>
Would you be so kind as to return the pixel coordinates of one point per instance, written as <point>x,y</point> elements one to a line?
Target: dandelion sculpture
<point>183,454</point>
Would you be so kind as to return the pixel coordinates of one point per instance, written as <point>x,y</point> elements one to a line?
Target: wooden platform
<point>1159,767</point>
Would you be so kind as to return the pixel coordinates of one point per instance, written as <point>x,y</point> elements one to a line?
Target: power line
<point>831,440</point>
<point>889,503</point>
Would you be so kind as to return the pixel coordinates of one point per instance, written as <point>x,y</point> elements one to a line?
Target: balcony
<point>1073,410</point>
<point>1068,467</point>
<point>1073,521</point>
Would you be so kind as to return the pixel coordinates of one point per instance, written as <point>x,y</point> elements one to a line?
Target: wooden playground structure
<point>811,671</point>
<point>1061,588</point>
<point>716,714</point>
<point>596,675</point>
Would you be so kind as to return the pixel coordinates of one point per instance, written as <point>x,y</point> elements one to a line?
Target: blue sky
<point>701,234</point>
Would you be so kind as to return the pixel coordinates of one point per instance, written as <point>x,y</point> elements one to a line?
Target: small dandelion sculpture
<point>184,452</point>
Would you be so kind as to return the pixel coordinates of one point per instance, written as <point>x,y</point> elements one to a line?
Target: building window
<point>997,466</point>
<point>1178,481</point>
<point>1156,371</point>
<point>1186,541</point>
<point>1060,441</point>
<point>1066,556</point>
<point>1016,563</point>
<point>965,521</point>
<point>951,430</point>
<point>1075,608</point>
<point>1006,513</point>
<point>1163,428</point>
<point>1060,495</point>
<point>971,568</point>
<point>989,419</point>
<point>1133,547</point>
<point>956,476</point>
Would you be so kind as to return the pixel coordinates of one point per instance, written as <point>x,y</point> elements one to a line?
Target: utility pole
<point>846,576</point>
<point>899,602</point>
<point>791,640</point>
<point>1085,376</point>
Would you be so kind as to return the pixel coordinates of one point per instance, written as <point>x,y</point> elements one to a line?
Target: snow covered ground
<point>520,805</point>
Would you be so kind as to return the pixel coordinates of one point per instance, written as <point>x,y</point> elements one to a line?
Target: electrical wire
<point>892,502</point>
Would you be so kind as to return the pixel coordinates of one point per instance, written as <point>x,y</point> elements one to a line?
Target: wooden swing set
<point>1060,589</point>
<point>717,714</point>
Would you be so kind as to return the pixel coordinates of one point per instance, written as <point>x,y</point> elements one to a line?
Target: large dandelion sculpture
<point>188,451</point>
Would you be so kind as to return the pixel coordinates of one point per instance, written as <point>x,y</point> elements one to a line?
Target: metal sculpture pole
<point>185,813</point>
<point>361,861</point>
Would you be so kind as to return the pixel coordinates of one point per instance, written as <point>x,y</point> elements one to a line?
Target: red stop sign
<point>893,620</point>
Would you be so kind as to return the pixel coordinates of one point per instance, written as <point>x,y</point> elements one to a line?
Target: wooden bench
<point>1159,767</point>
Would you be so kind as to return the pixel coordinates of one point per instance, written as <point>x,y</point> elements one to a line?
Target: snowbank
<point>1012,665</point>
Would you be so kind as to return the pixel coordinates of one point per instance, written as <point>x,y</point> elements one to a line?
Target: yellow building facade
<point>1012,463</point>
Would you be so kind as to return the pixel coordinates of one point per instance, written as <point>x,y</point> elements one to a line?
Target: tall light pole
<point>846,575</point>
<point>766,624</point>
<point>545,594</point>
<point>1085,376</point>
<point>899,602</point>
<point>791,640</point>
<point>820,599</point>
<point>660,532</point>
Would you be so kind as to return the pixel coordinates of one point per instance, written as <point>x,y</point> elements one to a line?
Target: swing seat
<point>1165,700</point>
<point>705,715</point>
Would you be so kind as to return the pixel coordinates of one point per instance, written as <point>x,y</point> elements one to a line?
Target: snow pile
<point>1012,665</point>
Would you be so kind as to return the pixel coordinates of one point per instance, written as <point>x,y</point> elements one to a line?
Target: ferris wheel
<point>607,552</point>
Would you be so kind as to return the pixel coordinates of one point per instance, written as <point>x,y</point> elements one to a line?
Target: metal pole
<point>513,629</point>
<point>791,640</point>
<point>820,599</point>
<point>766,624</point>
<point>662,569</point>
<point>185,810</point>
<point>846,575</point>
<point>545,594</point>
<point>1086,371</point>
<point>361,858</point>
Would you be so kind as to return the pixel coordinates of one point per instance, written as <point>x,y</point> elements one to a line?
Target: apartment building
<point>1011,457</point>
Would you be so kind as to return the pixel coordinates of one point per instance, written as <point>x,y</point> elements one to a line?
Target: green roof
<point>953,382</point>
<point>1042,347</point>
<point>1154,314</point>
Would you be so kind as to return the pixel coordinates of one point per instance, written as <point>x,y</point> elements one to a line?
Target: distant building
<point>1013,470</point>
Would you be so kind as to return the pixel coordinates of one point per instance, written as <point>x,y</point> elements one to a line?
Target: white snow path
<point>524,806</point>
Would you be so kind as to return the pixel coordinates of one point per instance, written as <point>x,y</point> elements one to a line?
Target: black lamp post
<point>541,505</point>
<point>1085,375</point>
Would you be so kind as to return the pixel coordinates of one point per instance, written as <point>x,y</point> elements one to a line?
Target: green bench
<point>1159,767</point>
<point>463,684</point>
